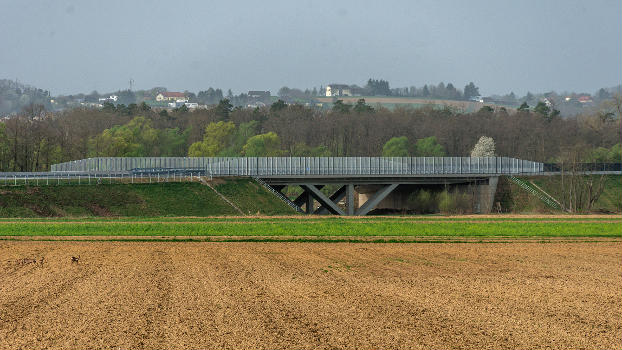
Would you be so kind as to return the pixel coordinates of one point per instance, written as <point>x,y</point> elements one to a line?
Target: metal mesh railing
<point>295,166</point>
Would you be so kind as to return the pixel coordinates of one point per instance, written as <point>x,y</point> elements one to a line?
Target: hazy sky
<point>520,46</point>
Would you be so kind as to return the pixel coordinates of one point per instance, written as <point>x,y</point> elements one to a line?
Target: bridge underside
<point>360,195</point>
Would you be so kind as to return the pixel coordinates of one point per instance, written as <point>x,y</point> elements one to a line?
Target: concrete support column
<point>334,198</point>
<point>324,201</point>
<point>486,195</point>
<point>350,199</point>
<point>309,203</point>
<point>375,199</point>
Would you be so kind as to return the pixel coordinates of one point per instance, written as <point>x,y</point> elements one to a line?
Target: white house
<point>338,90</point>
<point>171,96</point>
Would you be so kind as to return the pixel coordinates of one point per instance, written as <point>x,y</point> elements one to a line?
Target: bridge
<point>376,180</point>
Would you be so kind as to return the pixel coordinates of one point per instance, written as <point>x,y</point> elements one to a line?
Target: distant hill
<point>14,96</point>
<point>395,101</point>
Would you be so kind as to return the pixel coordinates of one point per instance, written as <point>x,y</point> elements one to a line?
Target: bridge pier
<point>485,195</point>
<point>350,199</point>
<point>335,198</point>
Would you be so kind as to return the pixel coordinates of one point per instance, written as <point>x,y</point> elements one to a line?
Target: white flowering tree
<point>485,147</point>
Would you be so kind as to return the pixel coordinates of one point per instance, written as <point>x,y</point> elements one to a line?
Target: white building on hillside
<point>111,98</point>
<point>338,90</point>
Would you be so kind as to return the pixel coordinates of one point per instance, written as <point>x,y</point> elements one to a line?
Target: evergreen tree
<point>470,91</point>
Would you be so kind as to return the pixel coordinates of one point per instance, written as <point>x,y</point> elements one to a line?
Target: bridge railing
<point>581,167</point>
<point>296,166</point>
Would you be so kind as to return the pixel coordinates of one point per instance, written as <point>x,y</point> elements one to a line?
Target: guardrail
<point>583,167</point>
<point>83,178</point>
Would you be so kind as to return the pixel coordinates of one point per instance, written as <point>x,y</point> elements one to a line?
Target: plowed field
<point>189,295</point>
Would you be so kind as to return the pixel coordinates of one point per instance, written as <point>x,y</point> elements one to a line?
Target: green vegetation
<point>607,155</point>
<point>253,198</point>
<point>610,201</point>
<point>396,147</point>
<point>319,227</point>
<point>264,145</point>
<point>425,147</point>
<point>516,200</point>
<point>216,137</point>
<point>428,147</point>
<point>137,138</point>
<point>158,199</point>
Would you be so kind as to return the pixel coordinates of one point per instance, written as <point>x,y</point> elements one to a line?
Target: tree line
<point>30,142</point>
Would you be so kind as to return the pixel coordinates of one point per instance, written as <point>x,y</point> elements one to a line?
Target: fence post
<point>15,179</point>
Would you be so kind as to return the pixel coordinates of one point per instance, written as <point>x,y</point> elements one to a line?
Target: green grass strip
<point>324,228</point>
<point>332,219</point>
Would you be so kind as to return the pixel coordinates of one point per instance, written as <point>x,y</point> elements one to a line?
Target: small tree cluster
<point>425,147</point>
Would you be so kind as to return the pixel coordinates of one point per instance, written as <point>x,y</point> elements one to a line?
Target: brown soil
<point>340,239</point>
<point>156,295</point>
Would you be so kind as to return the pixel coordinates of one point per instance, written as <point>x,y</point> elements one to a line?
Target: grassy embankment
<point>516,200</point>
<point>144,200</point>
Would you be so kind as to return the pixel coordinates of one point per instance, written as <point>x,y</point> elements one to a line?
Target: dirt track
<point>153,295</point>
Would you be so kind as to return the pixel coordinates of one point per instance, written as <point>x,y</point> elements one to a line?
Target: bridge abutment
<point>485,193</point>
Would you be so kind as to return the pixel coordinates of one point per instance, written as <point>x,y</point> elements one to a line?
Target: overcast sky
<point>503,46</point>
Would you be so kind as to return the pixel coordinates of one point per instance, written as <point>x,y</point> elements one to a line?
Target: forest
<point>34,139</point>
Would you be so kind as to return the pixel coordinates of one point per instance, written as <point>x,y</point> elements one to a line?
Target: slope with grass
<point>516,200</point>
<point>251,197</point>
<point>158,199</point>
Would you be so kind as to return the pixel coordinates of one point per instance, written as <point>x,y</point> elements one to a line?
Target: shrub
<point>455,202</point>
<point>423,202</point>
<point>445,203</point>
